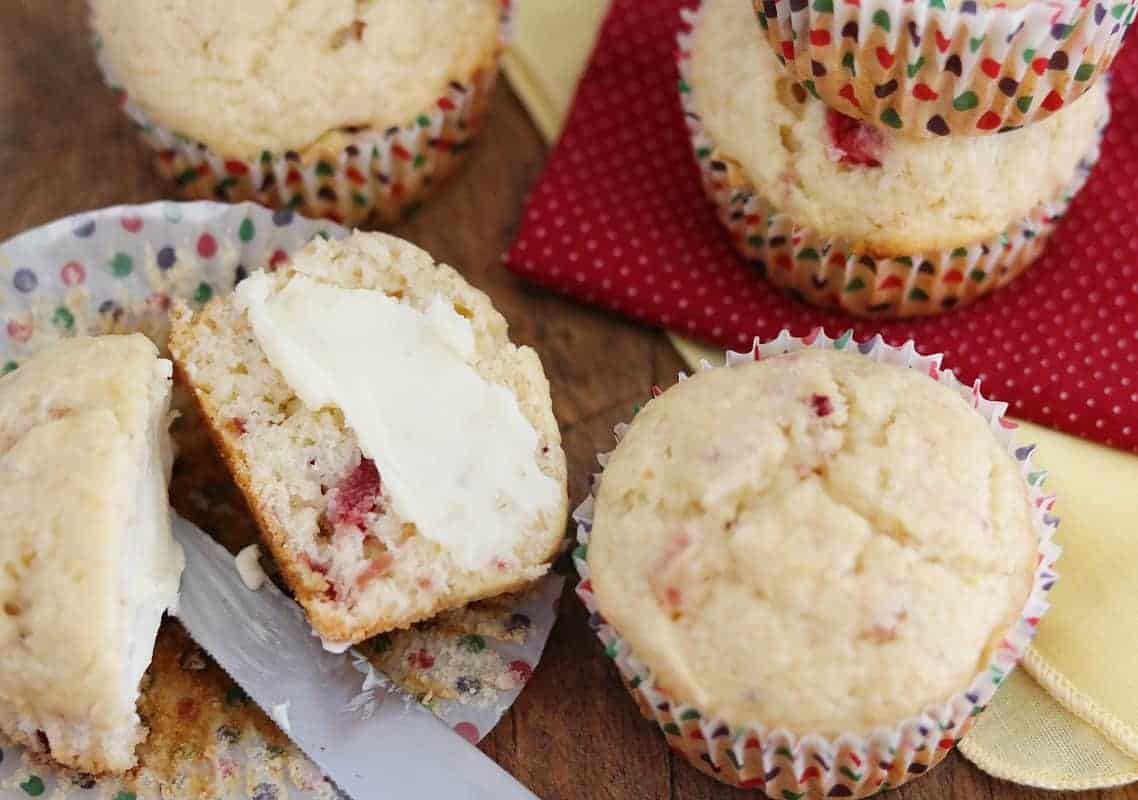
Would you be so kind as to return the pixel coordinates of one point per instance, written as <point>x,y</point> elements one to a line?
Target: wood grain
<point>574,733</point>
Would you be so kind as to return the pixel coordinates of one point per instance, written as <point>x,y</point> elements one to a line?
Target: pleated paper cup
<point>788,764</point>
<point>935,67</point>
<point>350,175</point>
<point>834,274</point>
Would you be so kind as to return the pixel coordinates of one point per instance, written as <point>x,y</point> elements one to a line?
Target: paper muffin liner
<point>831,273</point>
<point>781,763</point>
<point>350,174</point>
<point>119,269</point>
<point>935,67</point>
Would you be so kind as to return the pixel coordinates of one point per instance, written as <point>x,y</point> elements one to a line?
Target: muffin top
<point>883,194</point>
<point>244,77</point>
<point>815,541</point>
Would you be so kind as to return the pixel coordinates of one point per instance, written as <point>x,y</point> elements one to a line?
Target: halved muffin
<point>399,452</point>
<point>89,564</point>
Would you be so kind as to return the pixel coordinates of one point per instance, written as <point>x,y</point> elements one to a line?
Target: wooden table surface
<point>573,733</point>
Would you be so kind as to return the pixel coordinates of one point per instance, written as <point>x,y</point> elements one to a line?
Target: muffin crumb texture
<point>814,541</point>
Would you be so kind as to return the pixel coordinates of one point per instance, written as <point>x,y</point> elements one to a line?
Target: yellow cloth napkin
<point>1077,728</point>
<point>552,40</point>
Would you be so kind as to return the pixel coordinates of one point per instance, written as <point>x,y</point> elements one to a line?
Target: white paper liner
<point>830,273</point>
<point>348,177</point>
<point>778,762</point>
<point>116,270</point>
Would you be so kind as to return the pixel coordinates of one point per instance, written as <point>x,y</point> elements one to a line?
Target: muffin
<point>90,564</point>
<point>336,109</point>
<point>398,451</point>
<point>932,68</point>
<point>846,216</point>
<point>812,567</point>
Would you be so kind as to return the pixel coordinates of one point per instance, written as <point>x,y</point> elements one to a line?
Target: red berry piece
<point>316,566</point>
<point>356,496</point>
<point>854,142</point>
<point>823,407</point>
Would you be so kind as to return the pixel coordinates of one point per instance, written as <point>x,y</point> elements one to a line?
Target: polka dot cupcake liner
<point>119,269</point>
<point>831,273</point>
<point>783,764</point>
<point>348,176</point>
<point>938,67</point>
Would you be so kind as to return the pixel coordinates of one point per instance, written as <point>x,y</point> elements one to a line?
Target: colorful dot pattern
<point>938,67</point>
<point>368,173</point>
<point>781,764</point>
<point>620,219</point>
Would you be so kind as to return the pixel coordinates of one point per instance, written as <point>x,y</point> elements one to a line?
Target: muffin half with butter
<point>399,453</point>
<point>814,569</point>
<point>334,108</point>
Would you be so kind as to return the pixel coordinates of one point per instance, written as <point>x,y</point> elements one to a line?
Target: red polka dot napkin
<point>619,219</point>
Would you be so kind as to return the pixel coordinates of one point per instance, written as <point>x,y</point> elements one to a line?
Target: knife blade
<point>264,642</point>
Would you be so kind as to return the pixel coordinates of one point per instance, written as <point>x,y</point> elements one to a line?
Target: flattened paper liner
<point>351,174</point>
<point>118,270</point>
<point>935,67</point>
<point>778,762</point>
<point>828,273</point>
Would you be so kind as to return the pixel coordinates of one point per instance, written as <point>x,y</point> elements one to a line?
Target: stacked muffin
<point>893,162</point>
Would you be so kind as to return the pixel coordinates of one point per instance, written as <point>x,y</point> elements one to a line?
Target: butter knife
<point>264,642</point>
